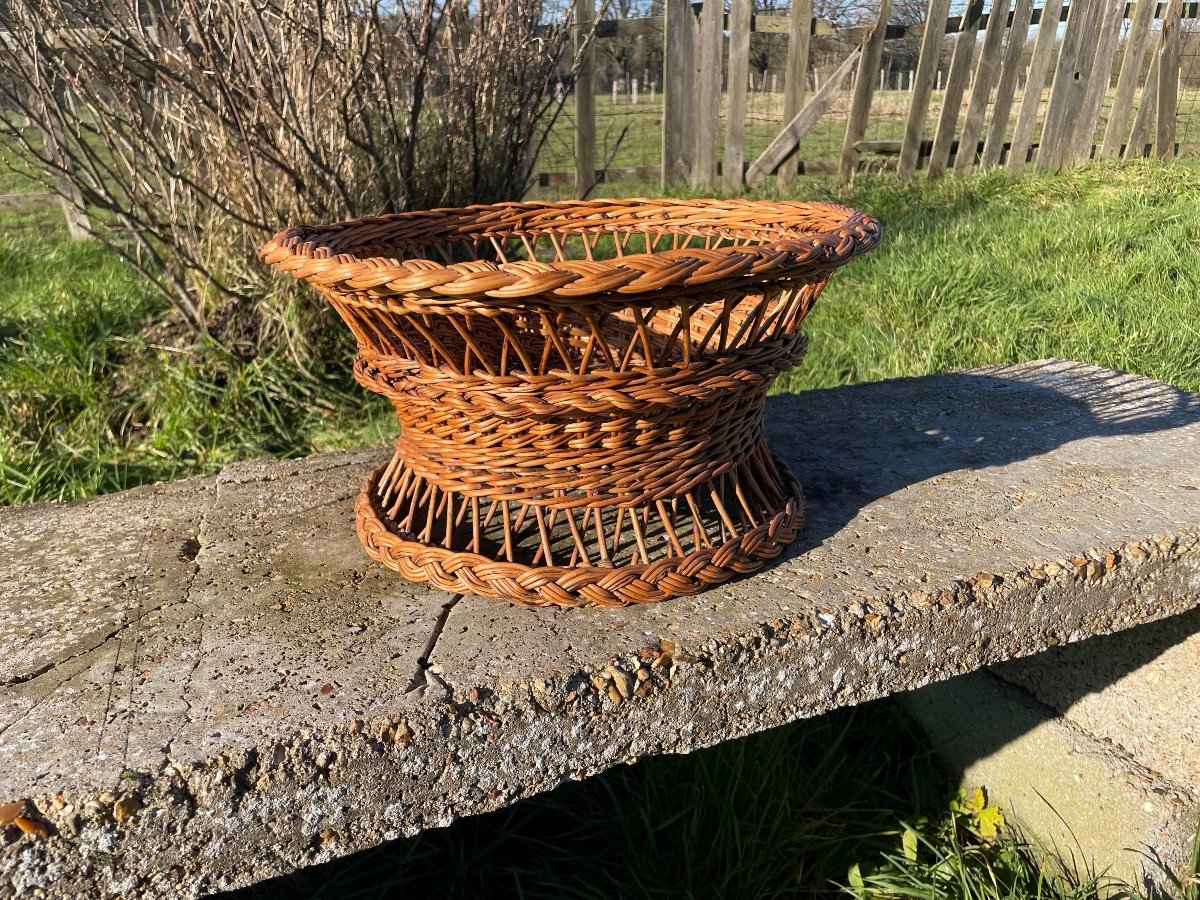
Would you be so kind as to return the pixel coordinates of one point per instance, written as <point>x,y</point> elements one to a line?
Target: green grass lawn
<point>1099,265</point>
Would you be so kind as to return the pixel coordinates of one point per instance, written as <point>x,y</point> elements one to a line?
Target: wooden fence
<point>1018,85</point>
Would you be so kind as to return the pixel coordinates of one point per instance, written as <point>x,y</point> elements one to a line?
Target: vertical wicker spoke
<point>749,320</point>
<point>635,524</point>
<point>446,539</point>
<point>553,328</point>
<point>579,546</point>
<point>476,545</point>
<point>597,341</point>
<point>699,529</point>
<point>497,249</point>
<point>597,517</point>
<point>508,531</point>
<point>544,551</point>
<point>668,528</point>
<point>643,335</point>
<point>511,342</point>
<point>471,348</point>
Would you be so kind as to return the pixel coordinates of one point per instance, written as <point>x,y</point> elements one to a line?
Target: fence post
<point>1035,80</point>
<point>679,26</point>
<point>1099,76</point>
<point>585,98</point>
<point>1066,92</point>
<point>956,81</point>
<point>981,87</point>
<point>1131,70</point>
<point>922,85</point>
<point>708,95</point>
<point>799,41</point>
<point>993,143</point>
<point>1168,83</point>
<point>739,74</point>
<point>860,105</point>
<point>1135,144</point>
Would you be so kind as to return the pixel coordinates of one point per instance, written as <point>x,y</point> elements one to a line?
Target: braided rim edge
<point>541,586</point>
<point>324,255</point>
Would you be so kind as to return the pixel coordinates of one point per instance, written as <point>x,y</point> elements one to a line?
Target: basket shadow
<point>850,446</point>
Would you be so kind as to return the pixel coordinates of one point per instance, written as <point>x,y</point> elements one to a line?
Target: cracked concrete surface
<point>208,683</point>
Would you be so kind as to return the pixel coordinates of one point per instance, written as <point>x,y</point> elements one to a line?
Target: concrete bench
<point>207,683</point>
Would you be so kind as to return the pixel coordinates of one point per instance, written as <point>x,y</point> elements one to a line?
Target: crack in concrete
<point>420,679</point>
<point>67,660</point>
<point>197,567</point>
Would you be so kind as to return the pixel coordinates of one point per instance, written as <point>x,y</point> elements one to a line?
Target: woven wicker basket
<point>579,385</point>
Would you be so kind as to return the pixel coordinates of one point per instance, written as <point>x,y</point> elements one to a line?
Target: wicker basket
<point>579,385</point>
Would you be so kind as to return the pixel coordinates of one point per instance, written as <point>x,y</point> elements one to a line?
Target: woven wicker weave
<point>580,386</point>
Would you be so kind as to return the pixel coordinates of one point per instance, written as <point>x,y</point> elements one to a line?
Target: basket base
<point>391,538</point>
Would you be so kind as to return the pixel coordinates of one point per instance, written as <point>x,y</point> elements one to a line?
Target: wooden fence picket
<point>981,87</point>
<point>956,84</point>
<point>1168,82</point>
<point>678,143</point>
<point>708,95</point>
<point>799,42</point>
<point>864,89</point>
<point>585,98</point>
<point>1010,68</point>
<point>1139,131</point>
<point>923,82</point>
<point>1099,76</point>
<point>739,74</point>
<point>1035,82</point>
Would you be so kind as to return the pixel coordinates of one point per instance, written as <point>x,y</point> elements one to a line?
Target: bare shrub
<point>191,130</point>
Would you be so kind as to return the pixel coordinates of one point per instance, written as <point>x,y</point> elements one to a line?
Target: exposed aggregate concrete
<point>213,685</point>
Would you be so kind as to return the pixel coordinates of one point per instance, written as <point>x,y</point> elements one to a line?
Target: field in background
<point>630,135</point>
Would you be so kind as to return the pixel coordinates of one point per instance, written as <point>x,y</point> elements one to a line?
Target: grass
<point>97,396</point>
<point>1098,264</point>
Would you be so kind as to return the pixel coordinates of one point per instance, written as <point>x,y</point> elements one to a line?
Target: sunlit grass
<point>1098,265</point>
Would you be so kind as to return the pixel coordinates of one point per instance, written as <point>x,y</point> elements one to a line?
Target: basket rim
<point>802,239</point>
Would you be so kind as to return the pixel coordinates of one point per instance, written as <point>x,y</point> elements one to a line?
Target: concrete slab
<point>278,700</point>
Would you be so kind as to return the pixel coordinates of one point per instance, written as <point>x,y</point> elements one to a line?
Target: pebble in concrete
<point>213,685</point>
